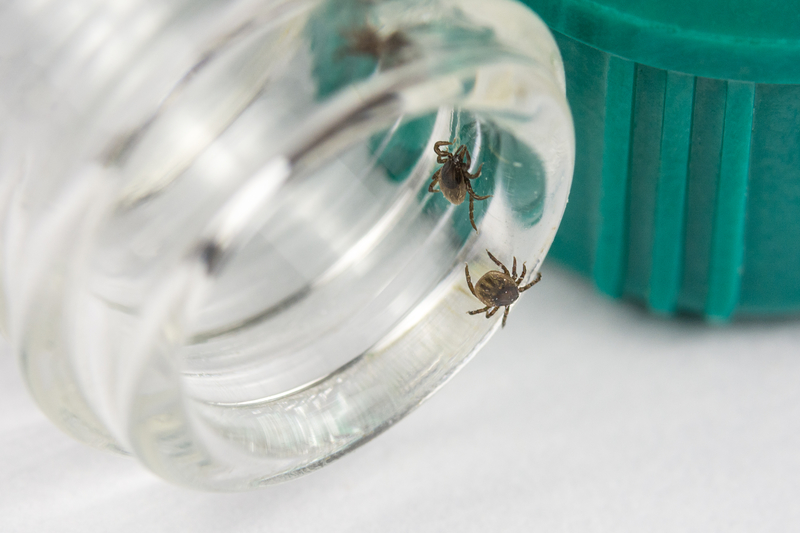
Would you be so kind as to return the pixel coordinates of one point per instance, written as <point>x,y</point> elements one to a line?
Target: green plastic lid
<point>748,40</point>
<point>686,192</point>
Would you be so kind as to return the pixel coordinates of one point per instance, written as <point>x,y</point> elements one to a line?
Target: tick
<point>453,178</point>
<point>366,41</point>
<point>499,289</point>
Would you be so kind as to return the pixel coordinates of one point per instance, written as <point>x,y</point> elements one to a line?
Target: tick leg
<point>472,198</point>
<point>532,283</point>
<point>491,313</point>
<point>501,265</point>
<point>434,181</point>
<point>514,269</point>
<point>472,192</point>
<point>479,311</point>
<point>441,152</point>
<point>521,276</point>
<point>468,162</point>
<point>469,280</point>
<point>472,213</point>
<point>477,174</point>
<point>505,316</point>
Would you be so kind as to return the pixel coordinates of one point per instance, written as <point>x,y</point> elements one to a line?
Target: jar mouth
<point>272,283</point>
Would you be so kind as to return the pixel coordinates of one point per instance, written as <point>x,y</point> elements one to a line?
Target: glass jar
<point>219,249</point>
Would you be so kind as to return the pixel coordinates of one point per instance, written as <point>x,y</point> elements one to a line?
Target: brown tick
<point>499,289</point>
<point>453,178</point>
<point>366,41</point>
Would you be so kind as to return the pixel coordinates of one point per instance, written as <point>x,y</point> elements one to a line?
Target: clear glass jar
<point>219,252</point>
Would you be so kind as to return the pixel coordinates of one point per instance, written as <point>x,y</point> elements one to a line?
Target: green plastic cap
<point>686,193</point>
<point>748,40</point>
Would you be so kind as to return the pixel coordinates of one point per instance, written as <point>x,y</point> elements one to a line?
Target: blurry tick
<point>453,178</point>
<point>366,41</point>
<point>499,289</point>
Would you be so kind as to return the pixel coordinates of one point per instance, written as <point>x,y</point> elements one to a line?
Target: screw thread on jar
<point>228,263</point>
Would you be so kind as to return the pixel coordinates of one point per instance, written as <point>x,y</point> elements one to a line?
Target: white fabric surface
<point>582,415</point>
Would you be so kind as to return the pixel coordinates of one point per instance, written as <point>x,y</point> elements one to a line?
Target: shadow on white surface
<point>582,415</point>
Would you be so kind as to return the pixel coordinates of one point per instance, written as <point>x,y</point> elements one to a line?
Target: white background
<point>582,415</point>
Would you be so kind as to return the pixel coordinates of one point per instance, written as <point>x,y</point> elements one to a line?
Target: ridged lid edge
<point>671,47</point>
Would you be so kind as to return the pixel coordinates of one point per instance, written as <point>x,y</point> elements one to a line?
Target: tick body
<point>453,178</point>
<point>498,289</point>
